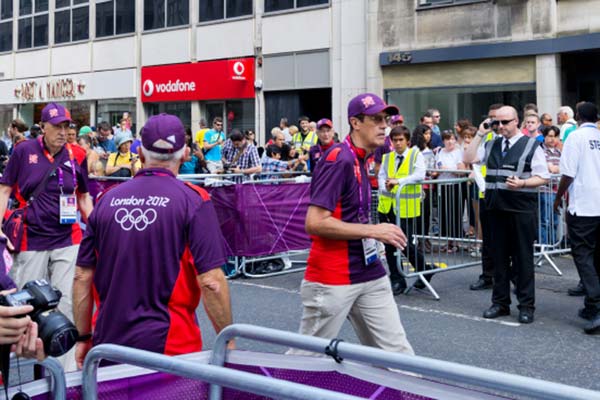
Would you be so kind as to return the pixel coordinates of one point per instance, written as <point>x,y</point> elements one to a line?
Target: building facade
<point>462,55</point>
<point>250,62</point>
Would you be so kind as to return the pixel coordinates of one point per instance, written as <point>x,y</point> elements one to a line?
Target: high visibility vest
<point>410,195</point>
<point>304,145</point>
<point>488,137</point>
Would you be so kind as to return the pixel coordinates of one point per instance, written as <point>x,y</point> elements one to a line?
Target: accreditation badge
<point>68,209</point>
<point>370,251</point>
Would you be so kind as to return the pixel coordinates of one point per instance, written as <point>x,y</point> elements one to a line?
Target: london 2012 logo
<point>136,218</point>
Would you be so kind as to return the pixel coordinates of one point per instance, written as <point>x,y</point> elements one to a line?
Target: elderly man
<point>51,185</point>
<point>516,166</point>
<point>565,120</point>
<point>325,134</point>
<point>149,289</point>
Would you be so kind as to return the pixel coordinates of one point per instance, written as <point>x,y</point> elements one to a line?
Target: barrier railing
<point>428,367</point>
<point>243,381</point>
<point>56,378</point>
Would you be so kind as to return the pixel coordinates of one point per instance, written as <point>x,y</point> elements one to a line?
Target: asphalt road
<point>553,348</point>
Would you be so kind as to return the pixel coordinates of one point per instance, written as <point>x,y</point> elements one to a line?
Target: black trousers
<point>411,251</point>
<point>512,235</point>
<point>487,262</point>
<point>584,234</point>
<point>451,210</point>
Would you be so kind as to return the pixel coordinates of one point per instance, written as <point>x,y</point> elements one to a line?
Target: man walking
<point>344,276</point>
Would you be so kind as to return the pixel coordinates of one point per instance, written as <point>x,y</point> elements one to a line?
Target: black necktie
<point>506,147</point>
<point>399,161</point>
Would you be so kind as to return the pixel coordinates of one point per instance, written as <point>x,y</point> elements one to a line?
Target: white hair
<point>567,110</point>
<point>162,157</point>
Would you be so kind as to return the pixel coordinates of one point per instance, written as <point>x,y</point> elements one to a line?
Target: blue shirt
<point>210,137</point>
<point>108,145</point>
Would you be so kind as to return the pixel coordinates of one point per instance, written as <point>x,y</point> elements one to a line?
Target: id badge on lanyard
<point>68,209</point>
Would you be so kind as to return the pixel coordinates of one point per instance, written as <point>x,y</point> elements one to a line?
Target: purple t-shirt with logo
<point>148,239</point>
<point>335,187</point>
<point>26,170</point>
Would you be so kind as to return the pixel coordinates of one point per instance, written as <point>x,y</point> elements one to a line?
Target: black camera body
<point>491,124</point>
<point>228,167</point>
<point>54,328</point>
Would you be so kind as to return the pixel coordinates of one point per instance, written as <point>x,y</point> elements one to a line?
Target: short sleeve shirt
<point>26,170</point>
<point>335,187</point>
<point>211,136</point>
<point>148,239</point>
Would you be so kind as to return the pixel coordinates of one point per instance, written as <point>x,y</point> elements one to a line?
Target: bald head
<point>509,121</point>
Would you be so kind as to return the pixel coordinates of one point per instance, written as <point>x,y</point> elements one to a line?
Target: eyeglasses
<point>377,118</point>
<point>505,121</point>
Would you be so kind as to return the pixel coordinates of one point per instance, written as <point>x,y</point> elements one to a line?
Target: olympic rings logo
<point>136,218</point>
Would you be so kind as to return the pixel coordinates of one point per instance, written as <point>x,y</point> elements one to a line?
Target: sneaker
<point>287,263</point>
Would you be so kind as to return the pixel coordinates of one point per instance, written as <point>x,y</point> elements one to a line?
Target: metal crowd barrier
<point>56,375</point>
<point>218,375</point>
<point>428,367</point>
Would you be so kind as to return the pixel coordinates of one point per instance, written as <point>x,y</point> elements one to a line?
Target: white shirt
<point>539,166</point>
<point>417,175</point>
<point>580,160</point>
<point>567,125</point>
<point>448,160</point>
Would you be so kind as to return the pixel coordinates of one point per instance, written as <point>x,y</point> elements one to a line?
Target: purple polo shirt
<point>335,187</point>
<point>315,153</point>
<point>148,239</point>
<point>26,170</point>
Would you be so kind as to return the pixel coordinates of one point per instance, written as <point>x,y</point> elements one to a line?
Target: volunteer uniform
<point>315,153</point>
<point>342,279</point>
<point>580,160</point>
<point>303,144</point>
<point>147,240</point>
<point>513,215</point>
<point>408,168</point>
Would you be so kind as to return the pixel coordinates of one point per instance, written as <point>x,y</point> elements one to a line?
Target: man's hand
<point>81,350</point>
<point>514,182</point>
<point>11,327</point>
<point>9,244</point>
<point>389,234</point>
<point>390,183</point>
<point>30,345</point>
<point>557,205</point>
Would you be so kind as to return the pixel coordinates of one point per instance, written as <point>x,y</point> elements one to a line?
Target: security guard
<point>580,168</point>
<point>305,138</point>
<point>516,165</point>
<point>399,170</point>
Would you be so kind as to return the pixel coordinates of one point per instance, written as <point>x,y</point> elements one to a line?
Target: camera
<point>491,124</point>
<point>228,167</point>
<point>54,328</point>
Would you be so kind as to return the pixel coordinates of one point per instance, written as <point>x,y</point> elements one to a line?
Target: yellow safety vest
<point>488,137</point>
<point>410,195</point>
<point>304,145</point>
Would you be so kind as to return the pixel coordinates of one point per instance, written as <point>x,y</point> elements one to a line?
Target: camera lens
<point>56,331</point>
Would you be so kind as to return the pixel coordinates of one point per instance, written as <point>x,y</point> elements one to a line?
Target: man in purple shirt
<point>151,247</point>
<point>51,234</point>
<point>344,277</point>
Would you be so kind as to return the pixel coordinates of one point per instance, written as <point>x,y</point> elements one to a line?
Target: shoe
<point>587,313</point>
<point>496,311</point>
<point>287,263</point>
<point>475,252</point>
<point>398,288</point>
<point>578,290</point>
<point>419,284</point>
<point>593,326</point>
<point>526,316</point>
<point>481,284</point>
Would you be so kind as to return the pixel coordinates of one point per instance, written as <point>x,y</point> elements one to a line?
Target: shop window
<point>71,21</point>
<point>165,13</point>
<point>281,5</point>
<point>6,35</point>
<point>212,10</point>
<point>455,103</point>
<point>115,17</point>
<point>33,24</point>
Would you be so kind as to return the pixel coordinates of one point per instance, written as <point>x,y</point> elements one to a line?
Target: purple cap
<point>396,118</point>
<point>163,133</point>
<point>54,114</point>
<point>369,104</point>
<point>324,122</point>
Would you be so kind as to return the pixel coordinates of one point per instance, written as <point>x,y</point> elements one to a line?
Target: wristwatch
<point>84,338</point>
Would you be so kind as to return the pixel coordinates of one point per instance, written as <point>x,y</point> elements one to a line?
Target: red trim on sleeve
<point>184,333</point>
<point>333,154</point>
<point>203,193</point>
<point>76,233</point>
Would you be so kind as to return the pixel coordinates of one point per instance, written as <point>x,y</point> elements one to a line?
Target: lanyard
<point>59,171</point>
<point>363,212</point>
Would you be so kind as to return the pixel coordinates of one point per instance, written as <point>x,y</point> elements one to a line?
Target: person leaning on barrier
<point>516,166</point>
<point>325,134</point>
<point>400,170</point>
<point>149,289</point>
<point>344,277</point>
<point>240,156</point>
<point>580,168</point>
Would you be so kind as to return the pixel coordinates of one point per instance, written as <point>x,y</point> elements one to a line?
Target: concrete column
<point>260,122</point>
<point>196,115</point>
<point>93,114</point>
<point>548,83</point>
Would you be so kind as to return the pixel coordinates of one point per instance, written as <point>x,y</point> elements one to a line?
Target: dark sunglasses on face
<point>505,121</point>
<point>377,118</point>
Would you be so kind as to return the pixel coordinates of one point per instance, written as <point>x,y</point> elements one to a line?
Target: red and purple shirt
<point>315,153</point>
<point>26,170</point>
<point>148,240</point>
<point>335,187</point>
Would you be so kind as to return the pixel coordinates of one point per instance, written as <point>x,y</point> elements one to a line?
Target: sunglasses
<point>378,118</point>
<point>505,121</point>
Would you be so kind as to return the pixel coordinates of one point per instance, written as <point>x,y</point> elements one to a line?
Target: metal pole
<point>239,380</point>
<point>59,383</point>
<point>459,373</point>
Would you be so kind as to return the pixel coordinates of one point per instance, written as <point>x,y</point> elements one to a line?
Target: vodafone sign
<point>209,80</point>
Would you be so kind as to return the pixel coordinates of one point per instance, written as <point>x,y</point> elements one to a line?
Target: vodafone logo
<point>238,70</point>
<point>148,88</point>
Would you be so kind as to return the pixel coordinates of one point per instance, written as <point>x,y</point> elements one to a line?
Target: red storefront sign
<point>207,80</point>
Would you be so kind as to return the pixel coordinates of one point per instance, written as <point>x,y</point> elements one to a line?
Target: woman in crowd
<point>421,138</point>
<point>195,163</point>
<point>123,163</point>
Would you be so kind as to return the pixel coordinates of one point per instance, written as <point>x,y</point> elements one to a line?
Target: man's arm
<point>82,309</point>
<point>84,201</point>
<point>470,154</point>
<point>563,186</point>
<point>320,222</point>
<point>217,303</point>
<point>381,178</point>
<point>5,192</point>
